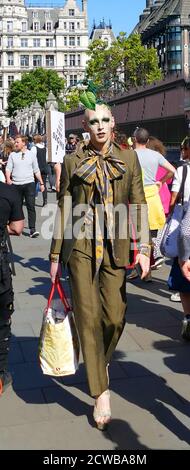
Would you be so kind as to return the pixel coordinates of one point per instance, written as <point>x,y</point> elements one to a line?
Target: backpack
<point>41,157</point>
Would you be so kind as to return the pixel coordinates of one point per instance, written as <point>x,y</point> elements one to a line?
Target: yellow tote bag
<point>58,343</point>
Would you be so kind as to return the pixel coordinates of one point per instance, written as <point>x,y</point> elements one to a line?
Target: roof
<point>160,12</point>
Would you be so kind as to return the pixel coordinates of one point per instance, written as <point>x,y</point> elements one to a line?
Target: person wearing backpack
<point>40,152</point>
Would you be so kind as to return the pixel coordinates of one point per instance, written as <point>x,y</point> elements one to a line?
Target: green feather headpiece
<point>88,94</point>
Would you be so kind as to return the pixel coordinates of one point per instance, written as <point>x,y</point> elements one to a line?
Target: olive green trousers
<point>99,304</point>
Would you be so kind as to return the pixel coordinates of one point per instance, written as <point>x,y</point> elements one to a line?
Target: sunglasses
<point>23,156</point>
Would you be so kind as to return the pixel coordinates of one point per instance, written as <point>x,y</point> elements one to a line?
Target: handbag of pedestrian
<point>59,343</point>
<point>170,234</point>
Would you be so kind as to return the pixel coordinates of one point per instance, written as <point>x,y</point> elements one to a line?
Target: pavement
<point>149,374</point>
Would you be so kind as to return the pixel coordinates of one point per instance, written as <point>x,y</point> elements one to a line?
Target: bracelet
<point>146,251</point>
<point>54,257</point>
<point>41,184</point>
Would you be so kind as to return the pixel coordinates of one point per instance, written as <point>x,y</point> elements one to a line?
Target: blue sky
<point>123,14</point>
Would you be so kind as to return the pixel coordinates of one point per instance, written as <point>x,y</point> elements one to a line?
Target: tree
<point>33,86</point>
<point>124,64</point>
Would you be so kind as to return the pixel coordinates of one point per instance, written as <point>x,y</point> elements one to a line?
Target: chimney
<point>84,10</point>
<point>149,3</point>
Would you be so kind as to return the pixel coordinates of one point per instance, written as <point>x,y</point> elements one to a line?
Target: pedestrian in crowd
<point>7,148</point>
<point>121,139</point>
<point>21,168</point>
<point>58,168</point>
<point>52,176</point>
<point>176,282</point>
<point>150,160</point>
<point>11,222</point>
<point>39,151</point>
<point>71,144</point>
<point>184,160</point>
<point>92,177</point>
<point>165,196</point>
<point>182,277</point>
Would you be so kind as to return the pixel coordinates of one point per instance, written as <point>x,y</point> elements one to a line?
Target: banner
<point>55,130</point>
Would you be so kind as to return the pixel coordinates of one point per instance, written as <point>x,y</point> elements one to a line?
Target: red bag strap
<point>57,285</point>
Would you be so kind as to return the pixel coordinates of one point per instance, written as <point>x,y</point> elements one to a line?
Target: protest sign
<point>55,129</point>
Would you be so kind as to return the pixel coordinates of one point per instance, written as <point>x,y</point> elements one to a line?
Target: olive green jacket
<point>128,188</point>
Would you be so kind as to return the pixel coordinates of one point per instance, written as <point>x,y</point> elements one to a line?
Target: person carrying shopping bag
<point>94,176</point>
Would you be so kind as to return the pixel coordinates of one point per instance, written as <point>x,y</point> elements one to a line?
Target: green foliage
<point>33,86</point>
<point>126,63</point>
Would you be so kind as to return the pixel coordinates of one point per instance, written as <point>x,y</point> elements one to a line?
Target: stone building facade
<point>52,38</point>
<point>165,25</point>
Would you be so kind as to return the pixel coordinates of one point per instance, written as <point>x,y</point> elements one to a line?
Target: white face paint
<point>99,124</point>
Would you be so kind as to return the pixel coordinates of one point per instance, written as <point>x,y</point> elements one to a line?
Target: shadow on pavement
<point>150,392</point>
<point>147,312</point>
<point>138,386</point>
<point>36,264</point>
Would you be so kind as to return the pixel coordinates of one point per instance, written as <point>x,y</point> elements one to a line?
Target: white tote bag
<point>58,344</point>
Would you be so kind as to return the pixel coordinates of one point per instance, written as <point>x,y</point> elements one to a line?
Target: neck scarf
<point>99,170</point>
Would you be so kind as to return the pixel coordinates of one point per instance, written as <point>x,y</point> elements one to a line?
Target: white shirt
<point>34,149</point>
<point>178,179</point>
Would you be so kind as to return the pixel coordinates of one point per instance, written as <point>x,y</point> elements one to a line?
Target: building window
<point>35,14</point>
<point>10,59</point>
<point>49,61</point>
<point>10,41</point>
<point>79,60</point>
<point>0,60</point>
<point>49,26</point>
<point>37,60</point>
<point>71,26</point>
<point>1,81</point>
<point>9,26</point>
<point>65,25</point>
<point>24,42</point>
<point>49,42</point>
<point>73,80</point>
<point>24,60</point>
<point>65,40</point>
<point>71,40</point>
<point>71,12</point>
<point>78,25</point>
<point>1,24</point>
<point>24,27</point>
<point>10,80</point>
<point>36,26</point>
<point>1,104</point>
<point>47,14</point>
<point>72,61</point>
<point>78,40</point>
<point>65,60</point>
<point>36,42</point>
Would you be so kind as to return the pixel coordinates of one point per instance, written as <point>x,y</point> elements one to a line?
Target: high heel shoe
<point>104,413</point>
